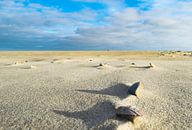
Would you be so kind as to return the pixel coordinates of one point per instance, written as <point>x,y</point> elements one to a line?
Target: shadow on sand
<point>118,90</point>
<point>141,67</point>
<point>94,116</point>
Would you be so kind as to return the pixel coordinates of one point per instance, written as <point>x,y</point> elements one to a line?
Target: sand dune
<point>81,94</point>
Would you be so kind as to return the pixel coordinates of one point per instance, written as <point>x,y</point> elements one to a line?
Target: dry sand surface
<point>72,91</point>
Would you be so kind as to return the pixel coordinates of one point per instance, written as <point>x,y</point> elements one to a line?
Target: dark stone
<point>128,113</point>
<point>136,88</point>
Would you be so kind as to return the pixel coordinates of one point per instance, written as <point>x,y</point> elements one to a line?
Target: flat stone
<point>128,112</point>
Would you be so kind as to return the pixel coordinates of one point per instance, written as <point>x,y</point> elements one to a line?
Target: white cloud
<point>164,26</point>
<point>39,19</point>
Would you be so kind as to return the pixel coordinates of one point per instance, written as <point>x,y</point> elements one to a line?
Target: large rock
<point>136,89</point>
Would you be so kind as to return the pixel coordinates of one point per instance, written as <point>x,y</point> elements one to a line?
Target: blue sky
<point>95,24</point>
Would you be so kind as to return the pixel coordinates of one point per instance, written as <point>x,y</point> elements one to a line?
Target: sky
<point>96,25</point>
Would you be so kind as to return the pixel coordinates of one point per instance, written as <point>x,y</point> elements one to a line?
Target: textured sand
<point>65,91</point>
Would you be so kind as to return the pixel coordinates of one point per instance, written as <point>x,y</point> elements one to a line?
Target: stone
<point>128,112</point>
<point>136,89</point>
<point>151,65</point>
<point>132,63</point>
<point>101,64</point>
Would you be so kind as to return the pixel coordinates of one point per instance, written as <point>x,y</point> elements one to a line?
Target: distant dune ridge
<point>96,90</point>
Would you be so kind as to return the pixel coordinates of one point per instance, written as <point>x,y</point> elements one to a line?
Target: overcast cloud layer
<point>149,25</point>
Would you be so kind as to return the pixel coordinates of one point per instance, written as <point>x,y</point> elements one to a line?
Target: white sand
<point>77,95</point>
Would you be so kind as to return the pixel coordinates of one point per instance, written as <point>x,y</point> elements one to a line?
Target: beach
<point>73,91</point>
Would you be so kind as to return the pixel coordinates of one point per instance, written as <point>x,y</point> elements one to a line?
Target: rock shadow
<point>93,117</point>
<point>118,90</point>
<point>141,67</point>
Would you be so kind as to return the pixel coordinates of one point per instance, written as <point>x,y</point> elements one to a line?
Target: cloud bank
<point>151,25</point>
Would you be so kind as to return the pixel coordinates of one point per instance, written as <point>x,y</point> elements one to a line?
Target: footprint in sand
<point>139,123</point>
<point>19,62</point>
<point>37,60</point>
<point>29,67</point>
<point>133,65</point>
<point>60,60</point>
